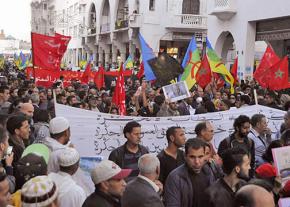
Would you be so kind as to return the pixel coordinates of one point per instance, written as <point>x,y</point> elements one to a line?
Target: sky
<point>15,18</point>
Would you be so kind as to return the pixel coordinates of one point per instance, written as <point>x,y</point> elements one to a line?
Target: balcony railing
<point>187,21</point>
<point>224,9</point>
<point>105,28</point>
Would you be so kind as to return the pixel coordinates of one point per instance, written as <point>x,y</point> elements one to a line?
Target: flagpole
<point>32,56</point>
<point>255,96</point>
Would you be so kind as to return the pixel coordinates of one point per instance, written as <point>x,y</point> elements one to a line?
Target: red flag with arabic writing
<point>99,78</point>
<point>63,40</point>
<point>203,75</point>
<point>119,93</point>
<point>47,51</point>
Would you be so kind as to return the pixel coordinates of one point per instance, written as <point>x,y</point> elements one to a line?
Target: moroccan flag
<point>46,51</point>
<point>218,80</point>
<point>268,60</point>
<point>276,77</point>
<point>119,93</point>
<point>141,71</point>
<point>190,63</point>
<point>203,74</point>
<point>99,78</point>
<point>217,66</point>
<point>234,70</point>
<point>147,54</point>
<point>86,74</point>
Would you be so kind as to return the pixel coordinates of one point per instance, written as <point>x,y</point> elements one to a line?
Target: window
<point>151,5</point>
<point>45,6</point>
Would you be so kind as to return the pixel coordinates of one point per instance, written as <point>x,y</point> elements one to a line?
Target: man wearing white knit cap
<point>108,178</point>
<point>39,191</point>
<point>60,135</point>
<point>69,193</point>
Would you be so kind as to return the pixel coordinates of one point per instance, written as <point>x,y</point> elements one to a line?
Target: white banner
<point>97,134</point>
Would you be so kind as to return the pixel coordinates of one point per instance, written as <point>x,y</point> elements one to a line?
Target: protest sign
<point>97,134</point>
<point>176,91</point>
<point>284,202</point>
<point>281,157</point>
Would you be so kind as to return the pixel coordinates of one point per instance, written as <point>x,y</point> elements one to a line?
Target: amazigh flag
<point>190,63</point>
<point>217,66</point>
<point>129,63</point>
<point>147,54</point>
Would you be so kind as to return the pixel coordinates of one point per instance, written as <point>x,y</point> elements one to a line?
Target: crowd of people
<point>41,167</point>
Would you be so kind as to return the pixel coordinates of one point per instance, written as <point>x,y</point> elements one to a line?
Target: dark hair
<point>3,119</point>
<point>231,158</point>
<point>268,186</point>
<point>3,88</point>
<point>199,127</point>
<point>15,122</point>
<point>194,144</point>
<point>41,116</point>
<point>287,106</point>
<point>240,121</point>
<point>285,137</point>
<point>246,99</point>
<point>59,135</point>
<point>129,127</point>
<point>244,198</point>
<point>268,156</point>
<point>256,118</point>
<point>159,100</point>
<point>171,131</point>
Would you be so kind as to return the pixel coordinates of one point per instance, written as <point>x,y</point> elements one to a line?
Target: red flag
<point>203,75</point>
<point>276,77</point>
<point>268,60</point>
<point>119,93</point>
<point>99,78</point>
<point>234,71</point>
<point>141,71</point>
<point>86,74</point>
<point>219,81</point>
<point>63,40</point>
<point>45,51</point>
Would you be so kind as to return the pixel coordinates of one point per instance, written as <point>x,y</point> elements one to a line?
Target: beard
<point>243,176</point>
<point>243,135</point>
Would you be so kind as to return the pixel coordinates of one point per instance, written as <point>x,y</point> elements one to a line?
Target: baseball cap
<point>266,171</point>
<point>68,157</point>
<point>39,191</point>
<point>106,170</point>
<point>29,166</point>
<point>58,124</point>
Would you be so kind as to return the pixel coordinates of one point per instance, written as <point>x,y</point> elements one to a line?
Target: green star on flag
<point>279,74</point>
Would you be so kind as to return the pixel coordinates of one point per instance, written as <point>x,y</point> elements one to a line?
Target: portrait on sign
<point>177,91</point>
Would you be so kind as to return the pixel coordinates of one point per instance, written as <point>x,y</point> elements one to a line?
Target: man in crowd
<point>261,135</point>
<point>4,190</point>
<point>4,96</point>
<point>18,128</point>
<point>143,191</point>
<point>39,191</point>
<point>27,109</point>
<point>69,193</point>
<point>127,155</point>
<point>236,166</point>
<point>185,186</point>
<point>109,182</point>
<point>239,139</point>
<point>285,125</point>
<point>254,196</point>
<point>60,136</point>
<point>171,157</point>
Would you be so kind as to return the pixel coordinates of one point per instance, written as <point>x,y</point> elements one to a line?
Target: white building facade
<point>108,29</point>
<point>235,25</point>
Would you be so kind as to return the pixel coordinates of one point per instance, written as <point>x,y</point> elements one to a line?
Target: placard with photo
<point>176,91</point>
<point>281,157</point>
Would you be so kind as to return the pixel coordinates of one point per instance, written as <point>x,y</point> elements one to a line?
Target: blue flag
<point>147,54</point>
